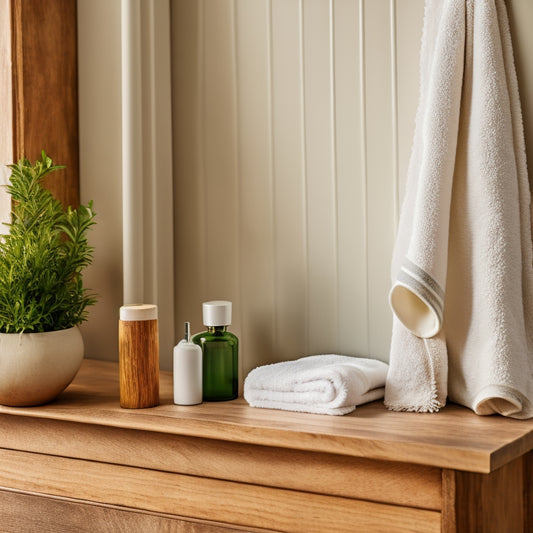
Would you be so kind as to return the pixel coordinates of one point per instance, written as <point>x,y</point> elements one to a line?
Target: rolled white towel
<point>323,384</point>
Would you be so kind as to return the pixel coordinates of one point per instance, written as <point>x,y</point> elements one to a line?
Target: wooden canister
<point>138,338</point>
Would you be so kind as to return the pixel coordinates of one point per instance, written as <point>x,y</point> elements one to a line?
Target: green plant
<point>42,256</point>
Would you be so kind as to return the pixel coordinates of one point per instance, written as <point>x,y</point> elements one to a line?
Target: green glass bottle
<point>220,353</point>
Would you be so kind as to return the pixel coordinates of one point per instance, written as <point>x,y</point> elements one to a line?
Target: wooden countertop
<point>454,438</point>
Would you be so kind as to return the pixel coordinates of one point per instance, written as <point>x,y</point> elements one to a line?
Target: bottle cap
<point>133,312</point>
<point>217,313</point>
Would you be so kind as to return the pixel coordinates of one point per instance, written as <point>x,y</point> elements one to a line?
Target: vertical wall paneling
<point>206,178</point>
<point>350,169</point>
<point>290,268</point>
<point>380,170</point>
<point>334,173</point>
<point>254,130</point>
<point>286,171</point>
<point>363,169</point>
<point>394,110</point>
<point>189,174</point>
<point>408,21</point>
<point>219,153</point>
<point>321,180</point>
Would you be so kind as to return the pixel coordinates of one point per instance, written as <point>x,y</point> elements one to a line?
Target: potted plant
<point>42,298</point>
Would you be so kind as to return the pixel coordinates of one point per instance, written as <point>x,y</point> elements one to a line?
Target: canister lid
<point>132,312</point>
<point>217,313</point>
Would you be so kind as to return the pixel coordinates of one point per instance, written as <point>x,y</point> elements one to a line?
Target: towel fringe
<point>432,406</point>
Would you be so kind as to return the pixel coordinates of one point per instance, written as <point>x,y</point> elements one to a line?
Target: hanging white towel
<point>462,269</point>
<point>324,384</point>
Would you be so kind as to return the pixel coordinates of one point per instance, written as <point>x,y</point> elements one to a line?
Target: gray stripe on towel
<point>424,277</point>
<point>422,291</point>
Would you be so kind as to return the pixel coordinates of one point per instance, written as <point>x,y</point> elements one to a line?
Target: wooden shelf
<point>476,444</point>
<point>176,461</point>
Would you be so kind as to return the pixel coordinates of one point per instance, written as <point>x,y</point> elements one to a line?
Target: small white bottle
<point>187,371</point>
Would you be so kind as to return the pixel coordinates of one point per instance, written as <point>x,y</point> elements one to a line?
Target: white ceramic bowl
<point>36,367</point>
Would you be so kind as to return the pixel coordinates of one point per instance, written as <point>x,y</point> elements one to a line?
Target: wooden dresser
<point>83,464</point>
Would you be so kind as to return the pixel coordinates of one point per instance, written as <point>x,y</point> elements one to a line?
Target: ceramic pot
<point>37,367</point>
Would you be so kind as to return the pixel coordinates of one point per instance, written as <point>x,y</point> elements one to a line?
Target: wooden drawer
<point>64,515</point>
<point>238,503</point>
<point>332,474</point>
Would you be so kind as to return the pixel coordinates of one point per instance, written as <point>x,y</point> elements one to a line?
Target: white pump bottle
<point>187,371</point>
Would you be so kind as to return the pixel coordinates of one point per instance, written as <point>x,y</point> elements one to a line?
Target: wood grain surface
<point>310,472</point>
<point>239,467</point>
<point>492,502</point>
<point>45,89</point>
<point>454,438</point>
<point>204,498</point>
<point>50,515</point>
<point>138,363</point>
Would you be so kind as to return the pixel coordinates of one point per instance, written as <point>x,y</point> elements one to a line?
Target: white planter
<point>36,367</point>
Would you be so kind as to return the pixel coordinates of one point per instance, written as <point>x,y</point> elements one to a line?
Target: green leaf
<point>42,257</point>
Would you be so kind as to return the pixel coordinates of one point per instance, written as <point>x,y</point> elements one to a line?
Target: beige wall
<point>100,165</point>
<point>292,130</point>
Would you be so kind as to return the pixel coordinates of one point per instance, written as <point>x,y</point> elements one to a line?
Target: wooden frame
<point>40,96</point>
